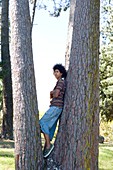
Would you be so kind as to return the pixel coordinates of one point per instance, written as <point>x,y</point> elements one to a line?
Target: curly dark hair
<point>61,68</point>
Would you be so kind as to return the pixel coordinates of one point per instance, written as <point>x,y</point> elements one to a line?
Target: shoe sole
<point>45,156</point>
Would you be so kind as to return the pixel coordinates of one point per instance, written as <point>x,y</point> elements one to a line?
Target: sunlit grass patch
<point>7,156</point>
<point>7,159</point>
<point>106,157</point>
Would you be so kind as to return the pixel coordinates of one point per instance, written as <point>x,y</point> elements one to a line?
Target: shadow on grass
<point>7,155</point>
<point>6,143</point>
<point>102,169</point>
<point>106,145</point>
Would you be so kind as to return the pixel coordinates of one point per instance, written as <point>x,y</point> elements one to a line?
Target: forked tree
<point>76,146</point>
<point>28,154</point>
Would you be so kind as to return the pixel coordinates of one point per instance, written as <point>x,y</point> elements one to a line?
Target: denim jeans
<point>49,121</point>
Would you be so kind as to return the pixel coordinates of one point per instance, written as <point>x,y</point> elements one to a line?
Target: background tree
<point>7,125</point>
<point>28,154</point>
<point>77,140</point>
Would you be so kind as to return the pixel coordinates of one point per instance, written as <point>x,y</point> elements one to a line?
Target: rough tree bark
<point>33,14</point>
<point>76,146</point>
<point>69,35</point>
<point>7,125</point>
<point>28,154</point>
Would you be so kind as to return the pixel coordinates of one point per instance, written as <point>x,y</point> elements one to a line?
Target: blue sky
<point>49,45</point>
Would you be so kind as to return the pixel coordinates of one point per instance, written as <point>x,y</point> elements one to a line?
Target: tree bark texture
<point>28,153</point>
<point>70,32</point>
<point>76,146</point>
<point>33,14</point>
<point>7,125</point>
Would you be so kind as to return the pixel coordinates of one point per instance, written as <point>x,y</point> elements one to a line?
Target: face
<point>57,74</point>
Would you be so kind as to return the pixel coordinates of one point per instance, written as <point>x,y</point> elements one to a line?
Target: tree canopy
<point>53,7</point>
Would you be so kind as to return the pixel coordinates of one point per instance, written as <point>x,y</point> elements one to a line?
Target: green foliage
<point>106,84</point>
<point>106,61</point>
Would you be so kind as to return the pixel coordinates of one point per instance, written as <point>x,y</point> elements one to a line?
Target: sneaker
<point>47,152</point>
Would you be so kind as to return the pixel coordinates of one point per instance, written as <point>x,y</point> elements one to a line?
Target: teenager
<point>49,121</point>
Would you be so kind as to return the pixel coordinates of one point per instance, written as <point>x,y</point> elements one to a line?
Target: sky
<point>49,45</point>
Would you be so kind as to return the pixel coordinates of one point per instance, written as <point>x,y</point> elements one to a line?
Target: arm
<point>55,93</point>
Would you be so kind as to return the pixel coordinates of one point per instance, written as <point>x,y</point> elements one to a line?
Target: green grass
<point>7,156</point>
<point>106,157</point>
<point>7,159</point>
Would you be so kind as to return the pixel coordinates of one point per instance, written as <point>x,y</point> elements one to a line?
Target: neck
<point>59,78</point>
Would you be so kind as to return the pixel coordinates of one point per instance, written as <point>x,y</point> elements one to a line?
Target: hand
<point>51,94</point>
<point>55,93</point>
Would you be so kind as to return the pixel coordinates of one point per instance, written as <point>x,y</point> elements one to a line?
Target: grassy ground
<point>7,159</point>
<point>7,156</point>
<point>106,157</point>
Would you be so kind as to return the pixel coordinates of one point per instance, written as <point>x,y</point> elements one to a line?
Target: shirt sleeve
<point>60,85</point>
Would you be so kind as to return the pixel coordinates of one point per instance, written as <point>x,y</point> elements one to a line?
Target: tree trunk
<point>76,146</point>
<point>69,35</point>
<point>7,125</point>
<point>33,14</point>
<point>28,153</point>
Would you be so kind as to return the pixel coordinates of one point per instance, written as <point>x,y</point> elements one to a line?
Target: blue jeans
<point>49,121</point>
